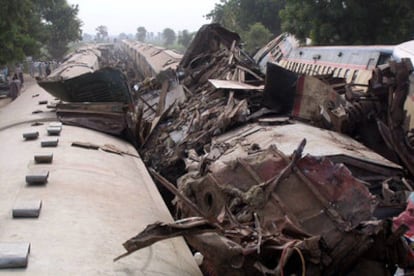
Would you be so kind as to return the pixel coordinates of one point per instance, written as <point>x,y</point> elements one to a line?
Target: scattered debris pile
<point>381,109</point>
<point>259,193</point>
<point>250,205</point>
<point>208,111</point>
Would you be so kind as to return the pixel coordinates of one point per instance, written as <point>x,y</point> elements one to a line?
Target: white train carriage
<point>82,206</point>
<point>149,59</point>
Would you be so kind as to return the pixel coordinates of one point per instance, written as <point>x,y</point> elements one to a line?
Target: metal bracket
<point>50,143</point>
<point>14,255</point>
<point>38,178</point>
<point>52,130</point>
<point>31,135</point>
<point>27,209</point>
<point>43,158</point>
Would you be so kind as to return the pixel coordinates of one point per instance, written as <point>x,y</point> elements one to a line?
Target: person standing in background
<point>19,72</point>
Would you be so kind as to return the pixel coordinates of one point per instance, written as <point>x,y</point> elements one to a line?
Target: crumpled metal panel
<point>104,85</point>
<point>105,117</point>
<point>318,207</point>
<point>268,213</point>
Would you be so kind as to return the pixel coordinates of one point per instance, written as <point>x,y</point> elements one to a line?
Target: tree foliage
<point>101,33</point>
<point>255,20</point>
<point>257,36</point>
<point>15,40</point>
<point>227,14</point>
<point>28,25</point>
<point>240,15</point>
<point>62,26</point>
<point>141,34</point>
<point>324,21</point>
<point>350,21</point>
<point>185,37</point>
<point>265,12</point>
<point>169,36</point>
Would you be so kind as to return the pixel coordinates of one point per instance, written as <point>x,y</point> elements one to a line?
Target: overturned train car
<point>71,194</point>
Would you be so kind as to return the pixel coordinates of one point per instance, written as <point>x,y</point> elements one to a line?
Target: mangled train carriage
<point>267,171</point>
<point>72,190</point>
<point>272,172</point>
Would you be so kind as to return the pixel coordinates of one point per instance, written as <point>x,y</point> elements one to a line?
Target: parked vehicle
<point>4,85</point>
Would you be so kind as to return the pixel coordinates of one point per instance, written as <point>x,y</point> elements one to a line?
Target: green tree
<point>184,38</point>
<point>16,21</point>
<point>265,12</point>
<point>257,36</point>
<point>101,33</point>
<point>62,26</point>
<point>168,36</point>
<point>349,21</point>
<point>28,25</point>
<point>141,34</point>
<point>226,13</point>
<point>240,15</point>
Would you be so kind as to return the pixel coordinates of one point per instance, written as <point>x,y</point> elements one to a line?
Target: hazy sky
<point>125,16</point>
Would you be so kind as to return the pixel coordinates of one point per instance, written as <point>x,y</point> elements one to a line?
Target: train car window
<point>371,63</point>
<point>279,56</point>
<point>383,58</point>
<point>354,76</point>
<point>346,74</point>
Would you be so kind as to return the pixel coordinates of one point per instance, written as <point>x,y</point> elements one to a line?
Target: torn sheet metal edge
<point>236,85</point>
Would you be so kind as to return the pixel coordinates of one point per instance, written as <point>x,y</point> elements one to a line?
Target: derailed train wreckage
<point>265,181</point>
